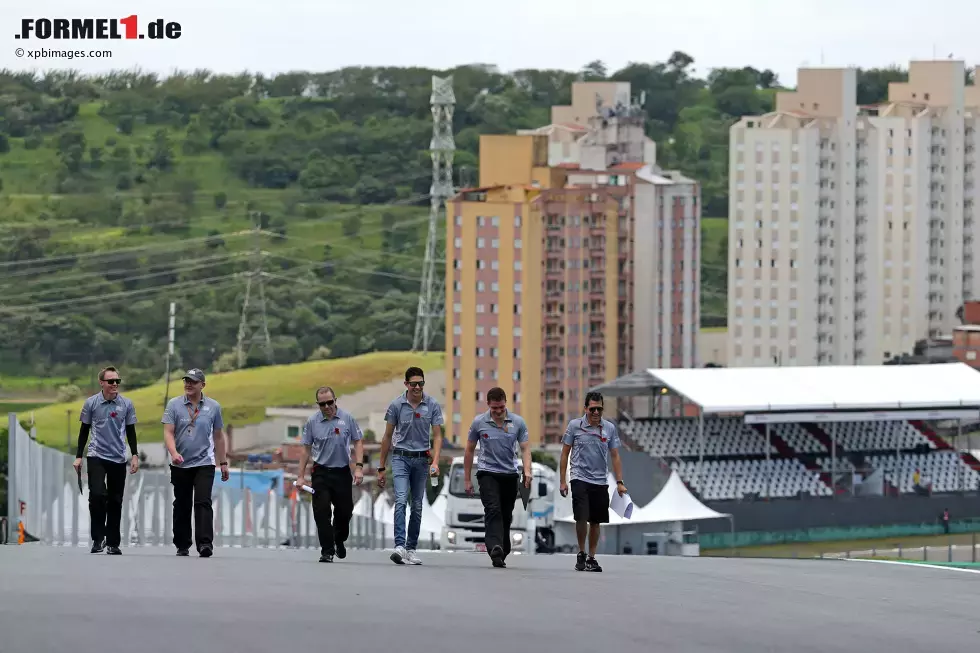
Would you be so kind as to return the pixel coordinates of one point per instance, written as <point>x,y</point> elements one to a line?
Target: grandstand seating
<point>800,460</point>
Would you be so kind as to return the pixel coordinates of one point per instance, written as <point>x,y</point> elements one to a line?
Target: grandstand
<point>808,432</point>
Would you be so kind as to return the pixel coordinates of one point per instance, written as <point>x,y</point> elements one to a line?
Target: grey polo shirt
<point>331,439</point>
<point>413,425</point>
<point>108,419</point>
<point>590,449</point>
<point>498,446</point>
<point>194,428</point>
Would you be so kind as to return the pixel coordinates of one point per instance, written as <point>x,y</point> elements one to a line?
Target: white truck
<point>464,530</point>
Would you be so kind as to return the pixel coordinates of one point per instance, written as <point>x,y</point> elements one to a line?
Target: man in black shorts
<point>591,441</point>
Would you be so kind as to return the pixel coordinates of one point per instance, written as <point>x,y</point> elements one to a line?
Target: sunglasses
<point>416,384</point>
<point>595,409</point>
<point>113,381</point>
<point>324,404</point>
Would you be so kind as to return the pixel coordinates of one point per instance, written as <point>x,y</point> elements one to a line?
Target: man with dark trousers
<point>106,416</point>
<point>592,441</point>
<point>497,431</point>
<point>327,438</point>
<point>193,432</point>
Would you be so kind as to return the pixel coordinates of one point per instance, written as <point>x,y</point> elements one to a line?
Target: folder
<point>525,493</point>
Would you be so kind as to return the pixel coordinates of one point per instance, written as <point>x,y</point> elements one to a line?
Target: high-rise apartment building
<point>563,274</point>
<point>851,228</point>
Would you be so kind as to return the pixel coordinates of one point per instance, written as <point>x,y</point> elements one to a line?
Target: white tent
<point>674,503</point>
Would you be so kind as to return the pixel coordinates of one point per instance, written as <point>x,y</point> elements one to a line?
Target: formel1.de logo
<point>82,29</point>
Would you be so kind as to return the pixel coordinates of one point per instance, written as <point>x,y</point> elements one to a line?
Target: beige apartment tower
<point>851,228</point>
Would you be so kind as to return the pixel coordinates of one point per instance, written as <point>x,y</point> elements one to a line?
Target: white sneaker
<point>413,559</point>
<point>399,555</point>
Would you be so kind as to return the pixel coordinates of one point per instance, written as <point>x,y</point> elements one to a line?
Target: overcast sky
<point>272,36</point>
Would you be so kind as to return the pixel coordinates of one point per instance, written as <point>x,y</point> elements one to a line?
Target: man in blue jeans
<point>409,420</point>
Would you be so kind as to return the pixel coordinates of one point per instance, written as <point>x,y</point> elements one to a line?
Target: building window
<point>457,330</point>
<point>517,375</point>
<point>517,287</point>
<point>479,308</point>
<point>495,221</point>
<point>457,264</point>
<point>517,244</point>
<point>480,286</point>
<point>479,331</point>
<point>494,264</point>
<point>517,353</point>
<point>517,221</point>
<point>456,351</point>
<point>478,395</point>
<point>457,308</point>
<point>493,331</point>
<point>457,418</point>
<point>455,394</point>
<point>494,286</point>
<point>459,221</point>
<point>458,242</point>
<point>479,352</point>
<point>479,220</point>
<point>517,265</point>
<point>292,432</point>
<point>517,397</point>
<point>495,243</point>
<point>517,332</point>
<point>480,243</point>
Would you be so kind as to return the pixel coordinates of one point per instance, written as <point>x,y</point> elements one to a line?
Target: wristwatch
<point>380,469</point>
<point>359,464</point>
<point>224,463</point>
<point>620,483</point>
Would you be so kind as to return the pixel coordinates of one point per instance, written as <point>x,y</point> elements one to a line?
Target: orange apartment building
<point>561,276</point>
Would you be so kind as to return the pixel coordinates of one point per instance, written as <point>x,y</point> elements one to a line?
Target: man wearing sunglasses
<point>107,415</point>
<point>327,438</point>
<point>410,418</point>
<point>592,441</point>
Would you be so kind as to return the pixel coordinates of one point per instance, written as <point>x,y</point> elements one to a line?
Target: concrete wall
<point>790,515</point>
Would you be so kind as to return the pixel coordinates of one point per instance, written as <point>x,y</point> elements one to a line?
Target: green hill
<point>243,394</point>
<point>122,193</point>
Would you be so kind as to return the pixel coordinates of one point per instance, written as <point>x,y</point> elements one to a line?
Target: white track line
<point>915,564</point>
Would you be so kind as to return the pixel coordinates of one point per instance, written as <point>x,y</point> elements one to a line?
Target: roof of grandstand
<point>822,388</point>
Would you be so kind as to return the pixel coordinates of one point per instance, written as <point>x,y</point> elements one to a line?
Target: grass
<point>814,549</point>
<point>714,275</point>
<point>244,394</point>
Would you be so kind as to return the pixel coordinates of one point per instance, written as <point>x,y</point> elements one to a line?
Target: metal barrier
<point>44,504</point>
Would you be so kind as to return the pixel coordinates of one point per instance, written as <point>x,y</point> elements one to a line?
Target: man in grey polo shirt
<point>592,441</point>
<point>409,419</point>
<point>327,438</point>
<point>497,431</point>
<point>107,415</point>
<point>193,431</point>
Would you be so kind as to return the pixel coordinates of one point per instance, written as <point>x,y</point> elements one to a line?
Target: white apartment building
<point>851,229</point>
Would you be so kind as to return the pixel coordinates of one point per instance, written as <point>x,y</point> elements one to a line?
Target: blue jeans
<point>409,474</point>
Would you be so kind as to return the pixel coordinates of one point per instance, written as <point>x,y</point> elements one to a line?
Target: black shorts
<point>590,502</point>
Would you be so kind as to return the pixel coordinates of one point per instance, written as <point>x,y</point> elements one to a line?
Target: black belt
<point>411,454</point>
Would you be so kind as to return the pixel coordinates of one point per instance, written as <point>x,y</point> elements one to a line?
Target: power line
<point>443,147</point>
<point>246,331</point>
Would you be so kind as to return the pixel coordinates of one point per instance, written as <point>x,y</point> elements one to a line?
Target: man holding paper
<point>327,438</point>
<point>590,441</point>
<point>497,431</point>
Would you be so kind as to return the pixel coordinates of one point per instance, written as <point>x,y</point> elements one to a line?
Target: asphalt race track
<point>243,600</point>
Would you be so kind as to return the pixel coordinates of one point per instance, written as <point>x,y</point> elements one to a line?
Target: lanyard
<point>193,416</point>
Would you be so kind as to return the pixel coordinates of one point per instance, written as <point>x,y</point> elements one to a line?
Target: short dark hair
<point>593,396</point>
<point>325,388</point>
<point>414,371</point>
<point>110,368</point>
<point>496,394</point>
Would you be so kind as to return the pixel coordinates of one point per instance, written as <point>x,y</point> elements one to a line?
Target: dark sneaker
<point>182,553</point>
<point>206,551</point>
<point>497,555</point>
<point>580,561</point>
<point>113,550</point>
<point>341,550</point>
<point>592,565</point>
<point>326,557</point>
<point>98,547</point>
